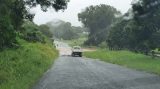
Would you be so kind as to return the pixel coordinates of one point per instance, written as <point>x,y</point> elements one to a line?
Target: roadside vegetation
<point>21,68</point>
<point>23,64</point>
<point>127,59</point>
<point>26,49</point>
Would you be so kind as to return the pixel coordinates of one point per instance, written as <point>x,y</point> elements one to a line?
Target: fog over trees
<point>64,30</point>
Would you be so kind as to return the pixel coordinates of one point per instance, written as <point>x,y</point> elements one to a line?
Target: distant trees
<point>13,13</point>
<point>64,30</point>
<point>46,30</point>
<point>98,19</point>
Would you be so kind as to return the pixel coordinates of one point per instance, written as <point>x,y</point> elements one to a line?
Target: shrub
<point>35,37</point>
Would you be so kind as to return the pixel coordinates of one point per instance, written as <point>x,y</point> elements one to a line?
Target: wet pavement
<point>84,73</point>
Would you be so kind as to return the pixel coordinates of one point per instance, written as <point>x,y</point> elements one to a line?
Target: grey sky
<point>76,6</point>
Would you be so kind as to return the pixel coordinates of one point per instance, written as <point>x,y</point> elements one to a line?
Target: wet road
<point>84,73</point>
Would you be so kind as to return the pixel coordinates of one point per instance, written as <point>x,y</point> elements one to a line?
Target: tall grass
<point>127,59</point>
<point>21,68</point>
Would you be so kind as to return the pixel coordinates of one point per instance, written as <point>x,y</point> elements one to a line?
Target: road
<point>84,73</point>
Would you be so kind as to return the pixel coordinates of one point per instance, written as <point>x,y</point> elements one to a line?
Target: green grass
<point>127,59</point>
<point>21,68</point>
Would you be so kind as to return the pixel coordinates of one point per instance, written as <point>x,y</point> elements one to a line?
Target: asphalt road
<point>84,73</point>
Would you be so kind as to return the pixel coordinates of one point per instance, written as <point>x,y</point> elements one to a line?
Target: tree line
<point>64,30</point>
<point>137,30</point>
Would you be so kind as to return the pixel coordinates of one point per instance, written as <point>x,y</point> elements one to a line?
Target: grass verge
<point>127,59</point>
<point>21,68</point>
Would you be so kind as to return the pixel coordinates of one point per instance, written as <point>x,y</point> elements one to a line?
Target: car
<point>77,51</point>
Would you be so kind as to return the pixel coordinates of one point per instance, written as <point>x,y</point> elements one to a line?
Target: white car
<point>77,51</point>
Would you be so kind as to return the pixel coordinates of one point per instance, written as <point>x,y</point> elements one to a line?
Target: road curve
<point>83,73</point>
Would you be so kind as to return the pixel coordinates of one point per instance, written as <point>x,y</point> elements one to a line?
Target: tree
<point>98,19</point>
<point>45,4</point>
<point>147,15</point>
<point>7,33</point>
<point>13,13</point>
<point>141,33</point>
<point>46,31</point>
<point>64,31</point>
<point>117,35</point>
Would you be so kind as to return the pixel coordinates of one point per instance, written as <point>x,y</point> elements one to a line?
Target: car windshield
<point>80,44</point>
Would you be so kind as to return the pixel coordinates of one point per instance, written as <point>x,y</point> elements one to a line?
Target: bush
<point>32,33</point>
<point>35,37</point>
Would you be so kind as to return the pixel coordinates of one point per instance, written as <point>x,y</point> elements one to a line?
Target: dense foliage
<point>141,32</point>
<point>32,33</point>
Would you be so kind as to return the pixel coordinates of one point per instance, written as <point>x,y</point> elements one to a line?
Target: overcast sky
<point>76,6</point>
